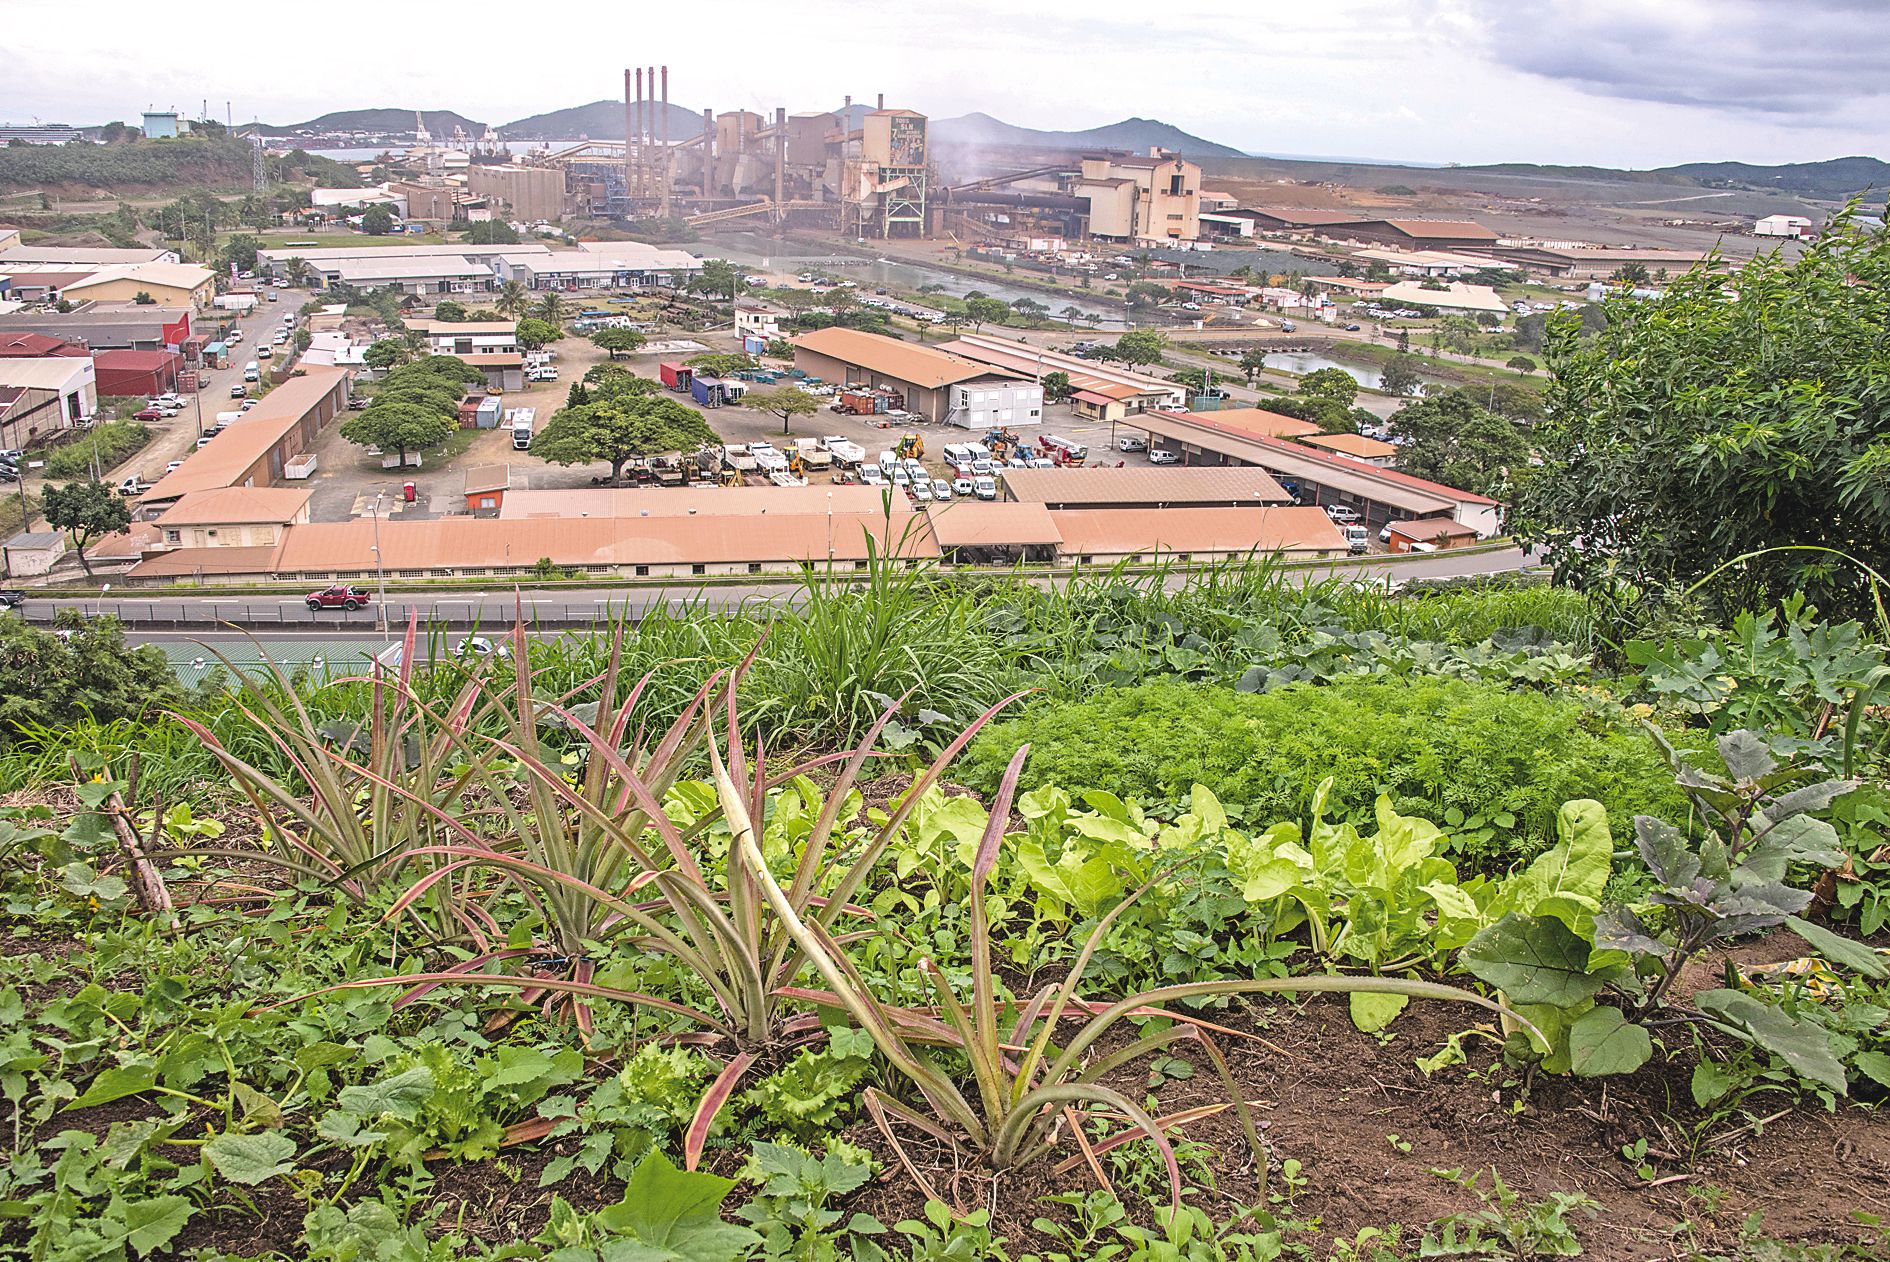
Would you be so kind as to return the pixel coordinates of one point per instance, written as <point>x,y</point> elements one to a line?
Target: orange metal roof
<point>971,524</point>
<point>482,543</point>
<point>188,562</point>
<point>889,357</point>
<point>1173,485</point>
<point>226,457</point>
<point>237,506</point>
<point>1253,421</point>
<point>1122,532</point>
<point>726,501</point>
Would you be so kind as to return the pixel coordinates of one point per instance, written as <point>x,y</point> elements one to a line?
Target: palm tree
<point>513,300</point>
<point>298,270</point>
<point>551,307</point>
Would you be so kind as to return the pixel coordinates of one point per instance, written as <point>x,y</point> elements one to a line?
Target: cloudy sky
<point>1609,82</point>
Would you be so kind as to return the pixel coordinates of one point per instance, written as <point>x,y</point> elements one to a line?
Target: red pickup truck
<point>340,596</point>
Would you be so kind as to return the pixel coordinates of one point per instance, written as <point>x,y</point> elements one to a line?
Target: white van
<point>251,372</point>
<point>985,488</point>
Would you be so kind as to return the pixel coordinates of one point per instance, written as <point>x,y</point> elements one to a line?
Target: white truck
<point>846,453</point>
<point>523,422</point>
<point>812,454</point>
<point>767,457</point>
<point>737,457</point>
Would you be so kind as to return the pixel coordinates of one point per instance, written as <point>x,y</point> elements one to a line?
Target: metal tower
<point>258,165</point>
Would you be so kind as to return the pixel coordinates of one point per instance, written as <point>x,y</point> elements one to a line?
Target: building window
<point>173,536</point>
<point>1085,559</point>
<point>1174,190</point>
<point>643,571</point>
<point>698,568</point>
<point>859,565</point>
<point>754,567</point>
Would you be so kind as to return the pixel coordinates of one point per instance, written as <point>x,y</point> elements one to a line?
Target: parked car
<point>1342,514</point>
<point>358,402</point>
<point>941,489</point>
<point>1351,328</point>
<point>339,596</point>
<point>962,486</point>
<point>1132,444</point>
<point>480,646</point>
<point>239,391</point>
<point>1158,456</point>
<point>921,490</point>
<point>985,488</point>
<point>173,466</point>
<point>149,414</point>
<point>248,404</point>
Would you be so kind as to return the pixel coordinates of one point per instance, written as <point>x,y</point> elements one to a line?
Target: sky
<point>1627,83</point>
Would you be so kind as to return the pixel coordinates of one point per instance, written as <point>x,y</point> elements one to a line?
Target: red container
<point>408,491</point>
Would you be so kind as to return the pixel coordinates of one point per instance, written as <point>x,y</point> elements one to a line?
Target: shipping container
<point>707,391</point>
<point>676,376</point>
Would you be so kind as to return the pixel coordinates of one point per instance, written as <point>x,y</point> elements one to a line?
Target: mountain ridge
<point>440,123</point>
<point>1136,134</point>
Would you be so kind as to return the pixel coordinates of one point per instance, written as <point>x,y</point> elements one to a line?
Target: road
<point>161,616</point>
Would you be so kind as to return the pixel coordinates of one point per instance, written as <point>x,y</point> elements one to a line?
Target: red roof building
<point>35,346</point>
<point>136,372</point>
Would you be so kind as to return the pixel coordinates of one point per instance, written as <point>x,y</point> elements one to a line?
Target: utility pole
<point>380,569</point>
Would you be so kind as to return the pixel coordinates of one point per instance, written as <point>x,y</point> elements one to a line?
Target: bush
<point>1522,363</point>
<point>1436,746</point>
<point>114,441</point>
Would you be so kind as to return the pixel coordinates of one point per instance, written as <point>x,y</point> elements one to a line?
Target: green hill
<point>600,120</point>
<point>1834,177</point>
<point>440,123</point>
<point>147,165</point>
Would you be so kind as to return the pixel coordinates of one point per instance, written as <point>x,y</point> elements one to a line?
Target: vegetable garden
<point>1149,918</point>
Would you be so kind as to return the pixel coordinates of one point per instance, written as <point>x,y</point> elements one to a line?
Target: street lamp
<point>380,569</point>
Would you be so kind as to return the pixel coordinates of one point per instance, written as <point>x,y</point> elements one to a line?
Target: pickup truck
<point>339,596</point>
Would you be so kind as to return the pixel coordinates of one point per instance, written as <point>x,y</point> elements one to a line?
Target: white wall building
<point>1782,226</point>
<point>989,402</point>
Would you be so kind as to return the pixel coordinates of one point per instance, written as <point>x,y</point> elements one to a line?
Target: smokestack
<point>849,102</point>
<point>708,153</point>
<point>662,129</point>
<point>649,137</point>
<point>882,102</point>
<point>780,156</point>
<point>629,124</point>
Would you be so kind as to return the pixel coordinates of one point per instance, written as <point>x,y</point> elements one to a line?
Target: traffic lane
<point>291,615</point>
<point>268,613</point>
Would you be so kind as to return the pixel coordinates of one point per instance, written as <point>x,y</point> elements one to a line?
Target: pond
<point>1303,362</point>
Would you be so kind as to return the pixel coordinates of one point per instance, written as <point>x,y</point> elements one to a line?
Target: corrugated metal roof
<point>725,501</point>
<point>227,456</point>
<point>889,357</point>
<point>237,505</point>
<point>1123,532</point>
<point>972,524</point>
<point>1221,484</point>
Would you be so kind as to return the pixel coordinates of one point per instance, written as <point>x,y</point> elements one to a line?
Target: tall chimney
<point>662,129</point>
<point>882,102</point>
<point>780,156</point>
<point>633,143</point>
<point>649,138</point>
<point>630,127</point>
<point>849,102</point>
<point>708,153</point>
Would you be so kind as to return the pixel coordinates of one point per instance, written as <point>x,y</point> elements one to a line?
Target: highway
<point>165,615</point>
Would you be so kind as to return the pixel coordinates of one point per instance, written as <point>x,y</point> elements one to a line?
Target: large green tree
<point>985,311</point>
<point>1398,377</point>
<point>1733,416</point>
<point>535,334</point>
<point>83,667</point>
<point>1330,383</point>
<point>786,402</point>
<point>1142,346</point>
<point>400,426</point>
<point>618,341</point>
<point>619,428</point>
<point>377,221</point>
<point>1451,438</point>
<point>85,511</point>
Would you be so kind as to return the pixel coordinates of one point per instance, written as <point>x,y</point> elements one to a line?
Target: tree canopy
<point>785,402</point>
<point>1141,346</point>
<point>52,680</point>
<point>399,426</point>
<point>1330,383</point>
<point>85,511</point>
<point>619,427</point>
<point>1705,426</point>
<point>1452,438</point>
<point>536,334</point>
<point>618,341</point>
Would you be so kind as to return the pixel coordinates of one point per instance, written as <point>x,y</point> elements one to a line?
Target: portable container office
<point>706,391</point>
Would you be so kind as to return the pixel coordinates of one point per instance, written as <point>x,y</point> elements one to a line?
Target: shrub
<point>113,440</point>
<point>1443,749</point>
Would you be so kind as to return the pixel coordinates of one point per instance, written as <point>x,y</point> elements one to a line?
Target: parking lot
<point>348,481</point>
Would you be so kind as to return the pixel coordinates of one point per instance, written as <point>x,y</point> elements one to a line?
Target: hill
<point>600,120</point>
<point>157,165</point>
<point>1834,177</point>
<point>1135,134</point>
<point>439,122</point>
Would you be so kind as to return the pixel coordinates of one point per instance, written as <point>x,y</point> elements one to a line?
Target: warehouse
<point>1414,234</point>
<point>525,193</point>
<point>107,325</point>
<point>168,284</point>
<point>234,517</point>
<point>127,373</point>
<point>57,392</point>
<point>1371,451</point>
<point>327,262</point>
<point>922,375</point>
<point>1313,476</point>
<point>725,501</point>
<point>1110,536</point>
<point>449,274</point>
<point>255,453</point>
<point>599,265</point>
<point>1125,389</point>
<point>1141,487</point>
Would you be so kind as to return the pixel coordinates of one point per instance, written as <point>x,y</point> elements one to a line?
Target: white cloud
<point>1616,82</point>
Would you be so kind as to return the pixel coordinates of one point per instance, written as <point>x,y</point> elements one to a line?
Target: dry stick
<point>147,883</point>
